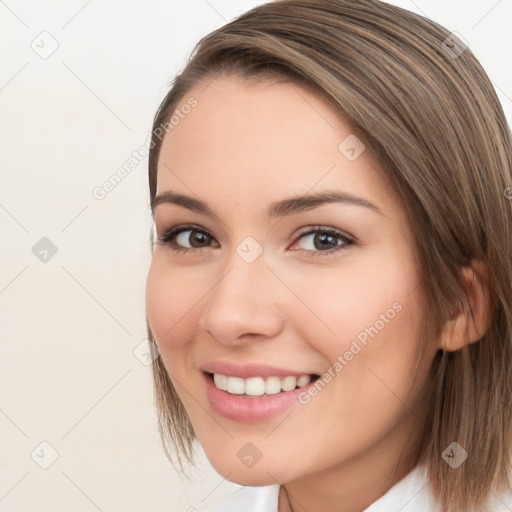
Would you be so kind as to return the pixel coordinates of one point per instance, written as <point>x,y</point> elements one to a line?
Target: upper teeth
<point>256,386</point>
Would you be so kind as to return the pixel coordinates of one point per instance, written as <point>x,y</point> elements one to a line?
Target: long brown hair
<point>423,104</point>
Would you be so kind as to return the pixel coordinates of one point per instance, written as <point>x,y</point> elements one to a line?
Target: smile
<point>237,403</point>
<point>259,386</point>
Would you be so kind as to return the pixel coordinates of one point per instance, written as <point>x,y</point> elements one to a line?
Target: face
<point>288,270</point>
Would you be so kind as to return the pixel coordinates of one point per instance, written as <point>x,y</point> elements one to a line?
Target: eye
<point>178,236</point>
<point>324,240</point>
<point>321,240</point>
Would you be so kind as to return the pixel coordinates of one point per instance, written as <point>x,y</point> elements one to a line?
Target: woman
<point>329,297</point>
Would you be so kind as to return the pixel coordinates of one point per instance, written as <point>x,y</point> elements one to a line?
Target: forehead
<point>255,139</point>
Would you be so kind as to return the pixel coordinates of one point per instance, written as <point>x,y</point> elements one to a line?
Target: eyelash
<point>168,239</point>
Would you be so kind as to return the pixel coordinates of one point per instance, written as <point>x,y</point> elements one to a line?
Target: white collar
<point>408,495</point>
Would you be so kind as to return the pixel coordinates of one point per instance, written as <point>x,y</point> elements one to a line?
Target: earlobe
<point>471,321</point>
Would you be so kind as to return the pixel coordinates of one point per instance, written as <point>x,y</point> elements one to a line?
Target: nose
<point>243,305</point>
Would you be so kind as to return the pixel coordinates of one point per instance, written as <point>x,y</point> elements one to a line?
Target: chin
<point>260,474</point>
<point>253,479</point>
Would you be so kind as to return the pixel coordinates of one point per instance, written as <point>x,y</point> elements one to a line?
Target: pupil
<point>198,237</point>
<point>325,237</point>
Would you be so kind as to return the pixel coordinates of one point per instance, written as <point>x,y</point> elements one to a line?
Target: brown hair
<point>427,110</point>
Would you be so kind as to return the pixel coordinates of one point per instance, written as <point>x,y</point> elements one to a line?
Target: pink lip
<point>250,410</point>
<point>249,370</point>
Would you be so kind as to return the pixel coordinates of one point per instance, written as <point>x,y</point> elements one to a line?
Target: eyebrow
<point>280,208</point>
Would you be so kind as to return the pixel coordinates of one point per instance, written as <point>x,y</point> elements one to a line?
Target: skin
<point>243,146</point>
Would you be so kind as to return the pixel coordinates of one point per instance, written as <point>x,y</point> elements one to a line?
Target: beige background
<point>72,330</point>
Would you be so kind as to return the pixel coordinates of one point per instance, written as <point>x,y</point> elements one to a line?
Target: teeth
<point>272,385</point>
<point>303,380</point>
<point>235,384</point>
<point>289,383</point>
<point>254,386</point>
<point>258,386</point>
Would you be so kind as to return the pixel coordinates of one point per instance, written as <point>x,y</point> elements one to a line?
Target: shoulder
<point>250,499</point>
<point>412,494</point>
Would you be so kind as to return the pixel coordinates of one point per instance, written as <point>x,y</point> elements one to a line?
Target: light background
<point>70,325</point>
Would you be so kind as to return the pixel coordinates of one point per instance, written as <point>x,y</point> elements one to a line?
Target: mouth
<point>259,387</point>
<point>255,392</point>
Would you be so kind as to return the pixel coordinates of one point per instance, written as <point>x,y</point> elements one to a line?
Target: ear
<point>472,321</point>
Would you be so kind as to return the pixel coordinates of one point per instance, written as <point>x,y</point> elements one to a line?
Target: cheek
<point>367,328</point>
<point>170,310</point>
<point>338,305</point>
<point>374,360</point>
<point>170,300</point>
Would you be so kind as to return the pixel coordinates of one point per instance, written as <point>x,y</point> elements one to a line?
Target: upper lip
<point>245,371</point>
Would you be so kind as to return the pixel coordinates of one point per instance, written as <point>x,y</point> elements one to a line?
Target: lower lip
<point>250,410</point>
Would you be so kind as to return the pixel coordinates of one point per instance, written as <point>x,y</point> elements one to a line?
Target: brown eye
<point>193,237</point>
<point>324,241</point>
<point>186,238</point>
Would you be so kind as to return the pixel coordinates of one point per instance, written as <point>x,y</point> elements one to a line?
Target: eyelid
<point>167,238</point>
<point>347,239</point>
<point>324,228</point>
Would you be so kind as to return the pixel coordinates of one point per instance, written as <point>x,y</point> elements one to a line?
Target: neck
<point>354,485</point>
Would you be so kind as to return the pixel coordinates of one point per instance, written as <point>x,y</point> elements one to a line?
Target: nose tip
<point>242,306</point>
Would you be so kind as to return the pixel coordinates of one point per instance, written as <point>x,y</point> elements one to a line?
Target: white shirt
<point>408,495</point>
